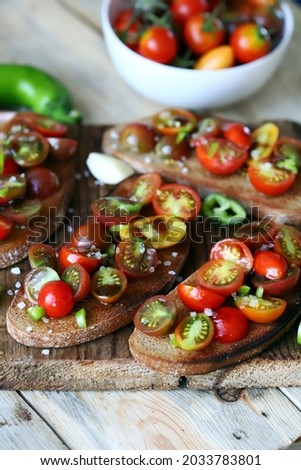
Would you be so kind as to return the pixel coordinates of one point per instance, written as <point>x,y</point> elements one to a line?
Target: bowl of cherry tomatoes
<point>196,53</point>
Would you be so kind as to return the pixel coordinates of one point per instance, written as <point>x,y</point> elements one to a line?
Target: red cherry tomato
<point>178,200</point>
<point>127,27</point>
<point>10,167</point>
<point>270,264</point>
<point>221,276</point>
<point>57,298</point>
<point>6,226</point>
<point>250,42</point>
<point>239,134</point>
<point>203,32</point>
<point>198,298</point>
<point>269,179</point>
<point>89,259</point>
<point>182,10</point>
<point>233,250</point>
<point>220,157</point>
<point>22,210</point>
<point>229,324</point>
<point>159,44</point>
<point>137,137</point>
<point>40,123</point>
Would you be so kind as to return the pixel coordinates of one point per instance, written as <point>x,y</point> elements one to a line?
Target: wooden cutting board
<point>106,363</point>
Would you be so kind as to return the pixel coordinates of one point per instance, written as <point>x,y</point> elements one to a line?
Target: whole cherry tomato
<point>250,42</point>
<point>158,43</point>
<point>57,298</point>
<point>203,32</point>
<point>238,134</point>
<point>229,324</point>
<point>182,10</point>
<point>270,264</point>
<point>127,27</point>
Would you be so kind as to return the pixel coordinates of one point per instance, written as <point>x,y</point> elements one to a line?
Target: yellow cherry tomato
<point>220,57</point>
<point>264,139</point>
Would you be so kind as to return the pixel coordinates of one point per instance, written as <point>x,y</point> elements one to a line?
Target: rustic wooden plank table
<point>64,37</point>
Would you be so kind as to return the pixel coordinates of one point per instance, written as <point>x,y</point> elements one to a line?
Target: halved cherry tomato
<point>264,139</point>
<point>231,249</point>
<point>92,233</point>
<point>221,276</point>
<point>79,279</point>
<point>11,187</point>
<point>41,182</point>
<point>159,231</point>
<point>269,179</point>
<point>288,244</point>
<point>250,42</point>
<point>178,200</point>
<point>90,259</point>
<point>136,258</point>
<point>108,284</point>
<point>145,187</point>
<point>28,148</point>
<point>280,286</point>
<point>127,27</point>
<point>255,234</point>
<point>22,210</point>
<point>229,324</point>
<point>6,226</point>
<point>35,280</point>
<point>220,157</point>
<point>206,127</point>
<point>41,123</point>
<point>193,332</point>
<point>62,148</point>
<point>270,264</point>
<point>114,210</point>
<point>41,254</point>
<point>156,316</point>
<point>198,298</point>
<point>57,298</point>
<point>138,137</point>
<point>158,43</point>
<point>169,147</point>
<point>203,32</point>
<point>174,121</point>
<point>260,310</point>
<point>239,134</point>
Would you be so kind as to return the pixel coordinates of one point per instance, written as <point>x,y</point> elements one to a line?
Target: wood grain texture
<point>106,363</point>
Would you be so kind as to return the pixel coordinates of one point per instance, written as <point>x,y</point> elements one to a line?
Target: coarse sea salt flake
<point>174,254</point>
<point>15,270</point>
<point>45,352</point>
<point>167,263</point>
<point>18,285</point>
<point>10,292</point>
<point>21,305</point>
<point>172,273</point>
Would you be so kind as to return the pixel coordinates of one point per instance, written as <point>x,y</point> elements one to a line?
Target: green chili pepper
<point>24,86</point>
<point>226,210</point>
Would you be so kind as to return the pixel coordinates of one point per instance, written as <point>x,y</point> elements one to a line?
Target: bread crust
<point>285,208</point>
<point>157,353</point>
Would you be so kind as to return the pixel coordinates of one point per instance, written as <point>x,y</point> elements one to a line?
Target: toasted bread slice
<point>15,247</point>
<point>102,319</point>
<point>157,352</point>
<point>285,208</point>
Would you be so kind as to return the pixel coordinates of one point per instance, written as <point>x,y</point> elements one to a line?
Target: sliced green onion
<point>35,312</point>
<point>244,290</point>
<point>259,292</point>
<point>299,334</point>
<point>80,318</point>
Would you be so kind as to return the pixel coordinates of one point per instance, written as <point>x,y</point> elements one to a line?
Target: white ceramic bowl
<point>188,88</point>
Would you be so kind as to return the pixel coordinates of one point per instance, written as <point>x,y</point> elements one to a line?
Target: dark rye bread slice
<point>285,208</point>
<point>158,354</point>
<point>102,319</point>
<point>15,247</point>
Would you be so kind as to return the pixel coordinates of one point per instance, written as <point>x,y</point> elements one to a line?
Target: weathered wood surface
<point>64,38</point>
